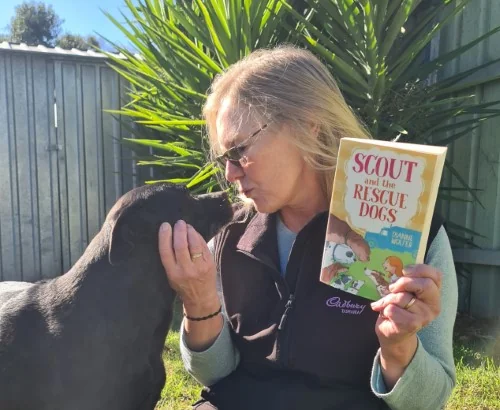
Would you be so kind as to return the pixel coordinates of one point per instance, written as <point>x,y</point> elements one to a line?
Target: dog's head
<point>344,254</point>
<point>136,217</point>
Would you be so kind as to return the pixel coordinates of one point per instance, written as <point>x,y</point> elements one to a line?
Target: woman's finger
<point>180,246</point>
<point>204,246</point>
<point>413,303</point>
<point>167,254</point>
<point>424,288</point>
<point>424,271</point>
<point>195,245</point>
<point>402,314</point>
<point>400,299</point>
<point>403,321</point>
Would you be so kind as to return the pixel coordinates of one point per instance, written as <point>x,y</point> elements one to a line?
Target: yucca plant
<point>377,50</point>
<point>181,46</point>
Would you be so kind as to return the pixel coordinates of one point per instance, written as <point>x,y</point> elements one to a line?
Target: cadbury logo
<point>345,306</point>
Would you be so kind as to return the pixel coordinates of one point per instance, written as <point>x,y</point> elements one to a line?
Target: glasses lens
<point>223,159</point>
<point>233,156</point>
<point>235,162</point>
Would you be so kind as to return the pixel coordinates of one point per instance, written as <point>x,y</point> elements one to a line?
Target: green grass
<point>477,359</point>
<point>478,380</point>
<point>180,390</point>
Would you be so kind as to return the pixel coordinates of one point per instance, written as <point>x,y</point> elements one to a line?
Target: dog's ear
<point>120,240</point>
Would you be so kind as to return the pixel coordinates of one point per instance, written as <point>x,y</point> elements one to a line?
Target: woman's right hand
<point>194,279</point>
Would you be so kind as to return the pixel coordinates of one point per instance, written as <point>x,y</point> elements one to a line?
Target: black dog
<point>92,338</point>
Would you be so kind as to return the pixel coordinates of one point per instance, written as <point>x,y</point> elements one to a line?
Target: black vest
<point>303,344</point>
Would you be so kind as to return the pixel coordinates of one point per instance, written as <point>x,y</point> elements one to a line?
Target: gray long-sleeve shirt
<point>427,381</point>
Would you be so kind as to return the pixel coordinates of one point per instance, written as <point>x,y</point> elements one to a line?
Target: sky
<point>82,17</point>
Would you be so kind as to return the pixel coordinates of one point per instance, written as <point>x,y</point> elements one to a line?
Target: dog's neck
<point>135,290</point>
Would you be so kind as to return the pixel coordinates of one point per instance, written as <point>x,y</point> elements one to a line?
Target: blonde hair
<point>292,86</point>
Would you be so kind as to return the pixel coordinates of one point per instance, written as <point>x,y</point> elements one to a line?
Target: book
<point>382,203</point>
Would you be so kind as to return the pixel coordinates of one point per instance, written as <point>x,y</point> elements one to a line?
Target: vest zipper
<point>288,307</point>
<point>281,357</point>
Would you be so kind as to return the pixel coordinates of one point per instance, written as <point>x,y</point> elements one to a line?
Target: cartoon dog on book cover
<point>344,247</point>
<point>381,206</point>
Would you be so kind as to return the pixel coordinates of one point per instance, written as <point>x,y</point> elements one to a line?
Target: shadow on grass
<point>477,341</point>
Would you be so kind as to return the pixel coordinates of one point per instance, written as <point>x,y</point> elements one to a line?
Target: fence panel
<point>477,158</point>
<point>61,161</point>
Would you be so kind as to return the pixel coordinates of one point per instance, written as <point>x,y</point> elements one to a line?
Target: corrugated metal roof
<point>53,50</point>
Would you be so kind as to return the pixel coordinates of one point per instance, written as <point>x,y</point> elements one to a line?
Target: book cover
<point>383,199</point>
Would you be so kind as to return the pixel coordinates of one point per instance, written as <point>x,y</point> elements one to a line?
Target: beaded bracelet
<point>199,319</point>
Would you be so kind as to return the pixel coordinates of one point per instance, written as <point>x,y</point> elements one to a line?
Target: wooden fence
<point>61,164</point>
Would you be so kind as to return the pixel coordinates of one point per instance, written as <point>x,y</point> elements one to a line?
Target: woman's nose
<point>233,172</point>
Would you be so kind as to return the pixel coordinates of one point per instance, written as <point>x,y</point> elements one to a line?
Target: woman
<point>394,266</point>
<point>282,340</point>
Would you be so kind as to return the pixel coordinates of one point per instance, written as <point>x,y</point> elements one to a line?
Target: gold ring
<point>410,303</point>
<point>196,255</point>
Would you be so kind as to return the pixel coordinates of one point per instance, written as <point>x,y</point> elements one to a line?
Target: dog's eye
<point>349,254</point>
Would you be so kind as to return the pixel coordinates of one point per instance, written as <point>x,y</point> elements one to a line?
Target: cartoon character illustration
<point>340,253</point>
<point>340,232</point>
<point>342,281</point>
<point>328,273</point>
<point>394,266</point>
<point>355,286</point>
<point>381,283</point>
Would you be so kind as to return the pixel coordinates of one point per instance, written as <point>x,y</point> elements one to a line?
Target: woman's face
<point>388,267</point>
<point>274,172</point>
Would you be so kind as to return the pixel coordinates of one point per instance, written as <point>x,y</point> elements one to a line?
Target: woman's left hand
<point>402,316</point>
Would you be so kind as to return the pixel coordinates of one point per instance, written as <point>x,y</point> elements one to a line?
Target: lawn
<point>477,357</point>
<point>180,390</point>
<point>478,381</point>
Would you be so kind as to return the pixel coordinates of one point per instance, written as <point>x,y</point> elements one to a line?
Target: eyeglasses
<point>235,154</point>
